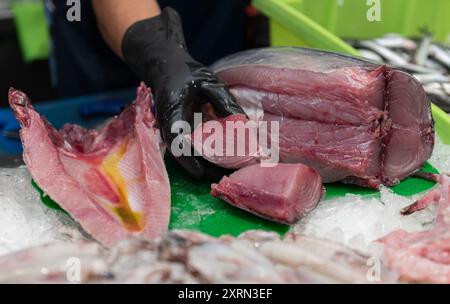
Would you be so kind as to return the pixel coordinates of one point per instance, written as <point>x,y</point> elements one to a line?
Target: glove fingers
<point>192,165</point>
<point>177,116</point>
<point>182,151</point>
<point>200,169</point>
<point>213,172</point>
<point>196,166</point>
<point>221,99</point>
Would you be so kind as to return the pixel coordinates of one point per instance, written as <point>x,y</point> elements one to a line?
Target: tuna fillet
<point>112,181</point>
<point>284,193</point>
<point>352,120</point>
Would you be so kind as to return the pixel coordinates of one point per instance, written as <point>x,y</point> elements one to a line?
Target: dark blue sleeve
<point>84,64</point>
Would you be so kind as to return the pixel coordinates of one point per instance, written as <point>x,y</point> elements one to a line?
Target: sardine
<point>395,41</point>
<point>440,55</point>
<point>423,50</point>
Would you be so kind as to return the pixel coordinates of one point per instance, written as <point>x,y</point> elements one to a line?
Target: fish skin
<point>191,257</point>
<point>440,55</point>
<point>394,58</point>
<point>397,42</point>
<point>423,256</point>
<point>58,162</point>
<point>423,50</point>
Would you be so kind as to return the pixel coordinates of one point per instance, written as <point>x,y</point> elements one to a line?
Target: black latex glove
<point>156,51</point>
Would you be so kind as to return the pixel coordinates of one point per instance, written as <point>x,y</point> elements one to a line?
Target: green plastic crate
<point>321,23</point>
<point>348,18</point>
<point>409,17</point>
<point>32,29</point>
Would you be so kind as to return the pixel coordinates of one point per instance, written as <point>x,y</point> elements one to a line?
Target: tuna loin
<point>283,193</point>
<point>112,181</point>
<point>350,119</point>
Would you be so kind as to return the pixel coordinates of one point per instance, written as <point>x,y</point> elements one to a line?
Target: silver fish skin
<point>440,55</point>
<point>189,257</point>
<point>428,61</point>
<point>423,50</point>
<point>396,42</point>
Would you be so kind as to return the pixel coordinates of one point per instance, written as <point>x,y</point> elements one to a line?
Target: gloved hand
<point>156,51</point>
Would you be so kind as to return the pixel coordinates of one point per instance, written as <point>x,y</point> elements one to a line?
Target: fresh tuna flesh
<point>112,181</point>
<point>222,147</point>
<point>424,256</point>
<point>284,193</point>
<point>352,120</point>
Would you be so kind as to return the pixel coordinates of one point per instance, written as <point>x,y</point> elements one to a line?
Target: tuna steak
<point>112,181</point>
<point>284,193</point>
<point>352,120</point>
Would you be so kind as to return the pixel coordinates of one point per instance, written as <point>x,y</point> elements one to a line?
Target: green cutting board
<point>194,208</point>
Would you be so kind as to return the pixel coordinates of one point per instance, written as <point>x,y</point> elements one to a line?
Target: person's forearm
<point>114,17</point>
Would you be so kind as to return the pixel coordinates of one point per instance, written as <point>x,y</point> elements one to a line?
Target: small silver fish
<point>429,62</point>
<point>367,54</point>
<point>439,93</point>
<point>440,55</point>
<point>384,52</point>
<point>395,41</point>
<point>432,78</point>
<point>394,58</point>
<point>423,50</point>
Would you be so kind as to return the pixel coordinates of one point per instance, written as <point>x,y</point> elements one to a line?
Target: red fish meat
<point>378,121</point>
<point>423,256</point>
<point>216,141</point>
<point>112,181</point>
<point>284,193</point>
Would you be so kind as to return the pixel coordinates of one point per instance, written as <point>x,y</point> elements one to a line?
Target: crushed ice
<point>441,157</point>
<point>357,220</point>
<point>24,221</point>
<point>352,220</point>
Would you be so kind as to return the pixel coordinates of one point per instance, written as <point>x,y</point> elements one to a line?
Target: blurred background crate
<point>290,20</point>
<point>29,75</point>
